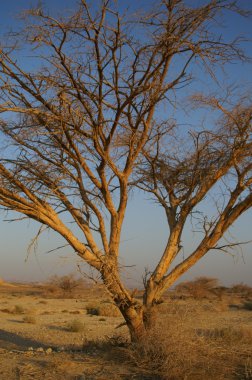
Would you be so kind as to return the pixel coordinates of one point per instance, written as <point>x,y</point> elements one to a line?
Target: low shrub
<point>247,305</point>
<point>103,309</point>
<point>76,326</point>
<point>92,309</point>
<point>18,309</point>
<point>29,319</point>
<point>65,286</point>
<point>108,310</point>
<point>175,351</point>
<point>201,287</point>
<point>227,335</point>
<point>241,290</point>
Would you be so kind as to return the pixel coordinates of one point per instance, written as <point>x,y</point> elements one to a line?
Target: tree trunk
<point>135,322</point>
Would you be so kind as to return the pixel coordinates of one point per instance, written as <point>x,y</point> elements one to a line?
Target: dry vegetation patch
<point>194,338</point>
<point>103,309</point>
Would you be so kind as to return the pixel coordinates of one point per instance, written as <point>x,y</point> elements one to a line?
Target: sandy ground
<point>46,349</point>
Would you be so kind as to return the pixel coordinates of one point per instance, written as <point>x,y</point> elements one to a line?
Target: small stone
<point>30,349</point>
<point>40,349</point>
<point>60,349</point>
<point>29,353</point>
<point>48,351</point>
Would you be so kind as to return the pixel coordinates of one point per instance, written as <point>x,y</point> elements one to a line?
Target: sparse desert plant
<point>227,335</point>
<point>248,369</point>
<point>174,351</point>
<point>201,287</point>
<point>247,305</point>
<point>65,283</point>
<point>244,371</point>
<point>106,309</point>
<point>103,309</point>
<point>29,319</point>
<point>92,308</point>
<point>241,289</point>
<point>18,309</point>
<point>76,326</point>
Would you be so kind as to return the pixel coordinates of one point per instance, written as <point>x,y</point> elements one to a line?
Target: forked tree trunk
<point>131,310</point>
<point>134,319</point>
<point>139,320</point>
<point>139,317</point>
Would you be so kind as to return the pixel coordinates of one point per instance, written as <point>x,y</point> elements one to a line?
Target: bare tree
<point>214,163</point>
<point>78,120</point>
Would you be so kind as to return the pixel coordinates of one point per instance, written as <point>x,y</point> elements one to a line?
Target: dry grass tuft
<point>247,305</point>
<point>175,351</point>
<point>29,319</point>
<point>76,326</point>
<point>227,335</point>
<point>18,309</point>
<point>202,287</point>
<point>242,290</point>
<point>103,309</point>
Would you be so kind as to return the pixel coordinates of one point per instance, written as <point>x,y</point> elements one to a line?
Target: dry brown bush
<point>18,309</point>
<point>202,287</point>
<point>75,326</point>
<point>173,351</point>
<point>227,335</point>
<point>103,309</point>
<point>66,286</point>
<point>29,319</point>
<point>241,290</point>
<point>247,305</point>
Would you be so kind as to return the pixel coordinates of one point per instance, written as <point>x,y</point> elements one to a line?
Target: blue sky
<point>145,228</point>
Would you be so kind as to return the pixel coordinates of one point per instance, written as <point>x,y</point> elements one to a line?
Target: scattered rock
<point>29,353</point>
<point>48,351</point>
<point>30,349</point>
<point>40,349</point>
<point>60,349</point>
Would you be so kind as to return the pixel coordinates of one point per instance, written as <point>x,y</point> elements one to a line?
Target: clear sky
<point>145,228</point>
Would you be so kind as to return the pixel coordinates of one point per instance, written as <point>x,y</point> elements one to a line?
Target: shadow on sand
<point>11,340</point>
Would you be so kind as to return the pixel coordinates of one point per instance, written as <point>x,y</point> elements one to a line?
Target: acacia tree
<point>214,163</point>
<point>81,128</point>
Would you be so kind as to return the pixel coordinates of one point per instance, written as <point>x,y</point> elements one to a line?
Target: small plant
<point>18,309</point>
<point>199,288</point>
<point>247,305</point>
<point>227,335</point>
<point>92,309</point>
<point>108,310</point>
<point>244,371</point>
<point>104,309</point>
<point>66,283</point>
<point>76,326</point>
<point>29,319</point>
<point>241,289</point>
<point>248,369</point>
